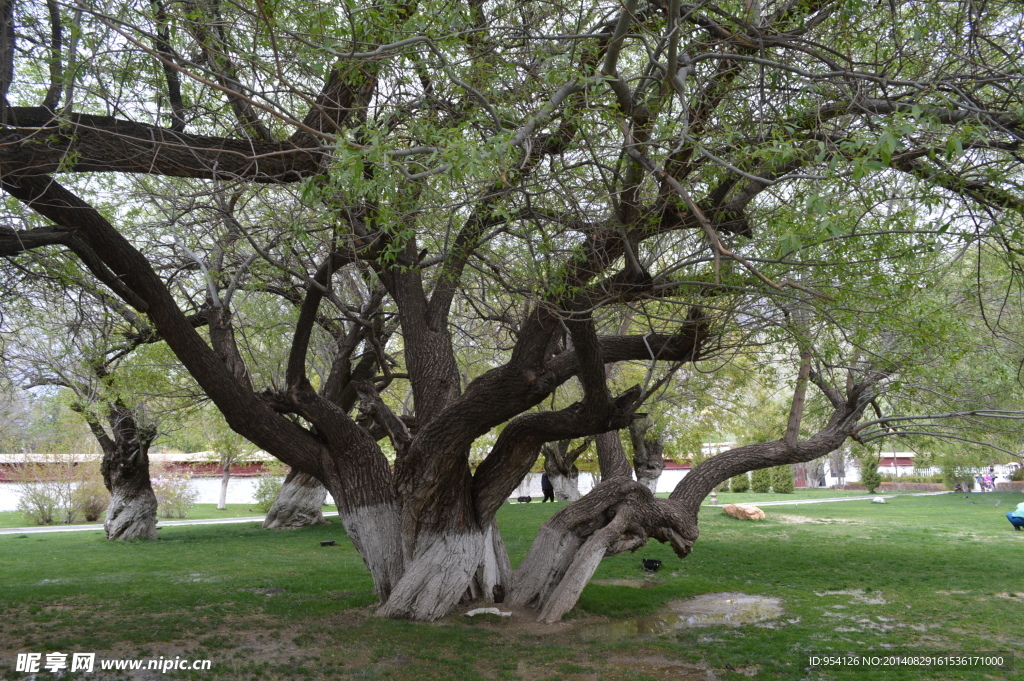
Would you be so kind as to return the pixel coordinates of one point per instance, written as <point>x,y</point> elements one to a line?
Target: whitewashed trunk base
<point>375,531</point>
<point>131,515</point>
<point>298,504</point>
<point>437,578</point>
<point>566,487</point>
<point>550,556</point>
<point>494,573</point>
<point>651,482</point>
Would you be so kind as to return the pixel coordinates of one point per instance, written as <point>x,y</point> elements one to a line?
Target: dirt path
<point>162,523</point>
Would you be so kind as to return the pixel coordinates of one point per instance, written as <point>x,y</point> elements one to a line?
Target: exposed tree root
<point>618,515</point>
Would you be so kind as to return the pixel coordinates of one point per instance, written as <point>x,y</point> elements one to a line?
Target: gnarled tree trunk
<point>131,513</point>
<point>620,514</point>
<point>298,504</point>
<point>648,453</point>
<point>560,465</point>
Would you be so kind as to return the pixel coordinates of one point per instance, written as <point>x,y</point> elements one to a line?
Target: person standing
<point>545,486</point>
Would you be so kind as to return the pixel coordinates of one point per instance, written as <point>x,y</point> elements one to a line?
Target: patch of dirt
<point>659,667</point>
<point>266,591</point>
<point>857,596</point>
<point>729,609</point>
<point>629,583</point>
<point>851,622</point>
<point>521,622</point>
<point>790,519</point>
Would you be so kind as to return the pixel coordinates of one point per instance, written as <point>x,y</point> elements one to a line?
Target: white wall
<point>240,491</point>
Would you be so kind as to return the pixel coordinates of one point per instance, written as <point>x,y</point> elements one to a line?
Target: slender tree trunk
<point>837,466</point>
<point>298,504</point>
<point>225,477</point>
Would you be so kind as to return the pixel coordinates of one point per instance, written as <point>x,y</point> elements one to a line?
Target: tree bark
<point>560,465</point>
<point>611,456</point>
<point>298,504</point>
<point>620,515</point>
<point>225,478</point>
<point>125,467</point>
<point>648,453</point>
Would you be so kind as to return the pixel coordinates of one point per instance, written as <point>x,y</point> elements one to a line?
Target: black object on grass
<point>651,565</point>
<point>330,542</point>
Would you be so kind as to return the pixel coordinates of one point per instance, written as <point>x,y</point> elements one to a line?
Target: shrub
<point>912,478</point>
<point>46,486</point>
<point>175,494</point>
<point>782,480</point>
<point>90,496</point>
<point>267,489</point>
<point>953,474</point>
<point>1017,475</point>
<point>741,483</point>
<point>761,481</point>
<point>39,503</point>
<point>869,474</point>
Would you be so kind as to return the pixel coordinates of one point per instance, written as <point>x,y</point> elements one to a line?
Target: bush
<point>741,483</point>
<point>782,480</point>
<point>869,474</point>
<point>267,489</point>
<point>1017,475</point>
<point>39,503</point>
<point>912,478</point>
<point>761,481</point>
<point>175,494</point>
<point>46,486</point>
<point>953,474</point>
<point>90,496</point>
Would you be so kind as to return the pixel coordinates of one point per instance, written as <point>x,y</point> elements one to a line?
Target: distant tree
<point>740,483</point>
<point>229,448</point>
<point>869,475</point>
<point>648,452</point>
<point>761,481</point>
<point>560,465</point>
<point>782,480</point>
<point>97,355</point>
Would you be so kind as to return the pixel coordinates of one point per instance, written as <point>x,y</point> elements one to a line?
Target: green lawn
<point>925,574</point>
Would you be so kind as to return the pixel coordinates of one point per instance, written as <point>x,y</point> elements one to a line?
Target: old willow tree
<point>406,183</point>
